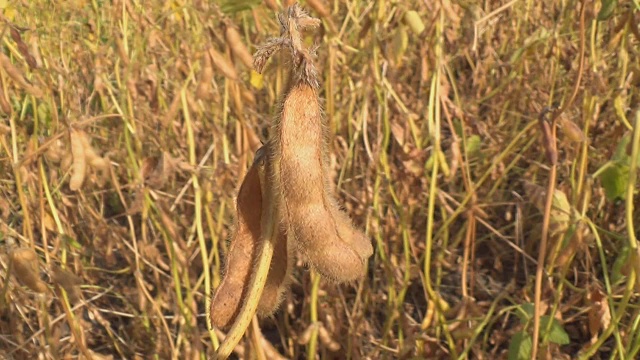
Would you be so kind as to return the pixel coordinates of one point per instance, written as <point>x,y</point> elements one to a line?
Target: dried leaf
<point>573,132</point>
<point>26,269</point>
<point>599,313</point>
<point>561,210</point>
<point>68,281</point>
<point>156,176</point>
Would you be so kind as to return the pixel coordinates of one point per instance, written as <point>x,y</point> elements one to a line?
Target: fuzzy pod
<point>298,163</point>
<point>203,90</point>
<point>319,7</point>
<point>17,77</point>
<point>243,252</point>
<point>238,48</point>
<point>79,164</point>
<point>223,64</point>
<point>324,235</point>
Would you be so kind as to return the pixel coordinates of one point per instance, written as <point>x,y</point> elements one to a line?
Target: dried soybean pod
<point>244,249</point>
<point>319,7</point>
<point>226,301</point>
<point>17,77</point>
<point>91,156</point>
<point>79,165</point>
<point>203,90</point>
<point>356,238</point>
<point>299,164</point>
<point>223,64</point>
<point>271,4</point>
<point>4,102</point>
<point>324,12</point>
<point>23,48</point>
<point>238,48</point>
<point>300,146</point>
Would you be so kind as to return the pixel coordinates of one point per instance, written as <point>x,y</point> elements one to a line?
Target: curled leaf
<point>573,132</point>
<point>26,269</point>
<point>561,210</point>
<point>599,313</point>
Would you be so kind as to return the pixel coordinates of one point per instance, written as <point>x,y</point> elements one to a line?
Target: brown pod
<point>244,249</point>
<point>324,235</point>
<point>299,165</point>
<point>319,7</point>
<point>238,48</point>
<point>358,240</point>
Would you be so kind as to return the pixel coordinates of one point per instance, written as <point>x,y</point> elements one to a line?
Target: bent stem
<point>551,188</point>
<point>269,227</point>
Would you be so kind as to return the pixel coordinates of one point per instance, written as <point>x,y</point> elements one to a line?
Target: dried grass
<point>433,136</point>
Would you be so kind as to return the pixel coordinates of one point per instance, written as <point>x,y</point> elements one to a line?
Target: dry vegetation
<point>126,128</point>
